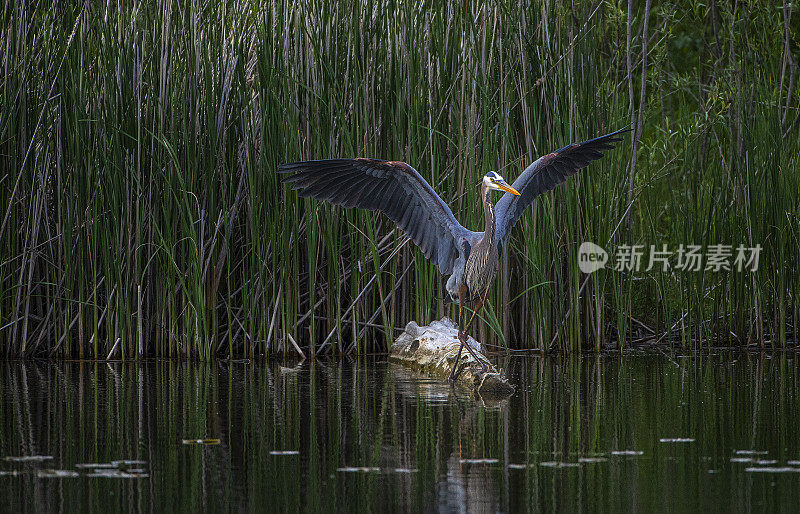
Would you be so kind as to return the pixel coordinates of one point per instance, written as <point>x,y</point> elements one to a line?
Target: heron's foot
<point>454,372</point>
<point>480,359</point>
<point>453,375</point>
<point>485,366</point>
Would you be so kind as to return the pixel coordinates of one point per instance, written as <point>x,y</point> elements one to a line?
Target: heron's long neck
<point>488,212</point>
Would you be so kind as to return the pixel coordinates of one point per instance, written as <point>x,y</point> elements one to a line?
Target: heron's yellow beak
<point>505,187</point>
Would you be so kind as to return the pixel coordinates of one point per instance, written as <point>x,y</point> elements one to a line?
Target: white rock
<point>432,349</point>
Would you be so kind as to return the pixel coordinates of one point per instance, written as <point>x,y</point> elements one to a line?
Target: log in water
<point>432,349</point>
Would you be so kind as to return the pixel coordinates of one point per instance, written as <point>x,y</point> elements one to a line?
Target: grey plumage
<point>399,191</point>
<point>393,188</point>
<point>546,173</point>
<point>482,261</point>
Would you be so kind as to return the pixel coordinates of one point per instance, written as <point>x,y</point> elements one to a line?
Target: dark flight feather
<point>546,173</point>
<point>391,187</point>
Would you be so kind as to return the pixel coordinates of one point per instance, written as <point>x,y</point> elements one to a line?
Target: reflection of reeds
<point>141,214</point>
<point>578,432</point>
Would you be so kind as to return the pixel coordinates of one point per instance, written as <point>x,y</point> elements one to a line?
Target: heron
<point>397,190</point>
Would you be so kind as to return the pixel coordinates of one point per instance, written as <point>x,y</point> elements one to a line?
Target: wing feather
<point>391,187</point>
<point>546,173</point>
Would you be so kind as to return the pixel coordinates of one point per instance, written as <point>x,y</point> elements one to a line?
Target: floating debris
<point>201,441</point>
<point>57,473</point>
<point>28,458</point>
<point>352,469</point>
<point>676,440</point>
<point>520,466</point>
<point>793,462</point>
<point>479,461</point>
<point>126,468</point>
<point>370,469</point>
<point>752,460</point>
<point>96,465</point>
<point>116,473</point>
<point>591,460</point>
<point>773,470</point>
<point>750,452</point>
<point>284,452</point>
<point>626,452</point>
<point>556,464</point>
<point>9,473</point>
<point>127,463</point>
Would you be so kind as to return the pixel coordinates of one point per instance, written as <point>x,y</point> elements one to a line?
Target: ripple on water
<point>751,460</point>
<point>784,469</point>
<point>122,468</point>
<point>28,458</point>
<point>557,464</point>
<point>374,469</point>
<point>96,465</point>
<point>127,462</point>
<point>57,473</point>
<point>591,460</point>
<point>115,473</point>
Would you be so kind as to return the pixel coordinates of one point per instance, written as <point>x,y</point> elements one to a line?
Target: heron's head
<point>493,180</point>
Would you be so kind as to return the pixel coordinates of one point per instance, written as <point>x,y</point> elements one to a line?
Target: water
<point>638,433</point>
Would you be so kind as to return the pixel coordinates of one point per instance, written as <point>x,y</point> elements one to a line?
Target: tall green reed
<point>142,215</point>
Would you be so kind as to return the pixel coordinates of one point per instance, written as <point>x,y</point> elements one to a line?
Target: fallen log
<point>413,385</point>
<point>432,349</point>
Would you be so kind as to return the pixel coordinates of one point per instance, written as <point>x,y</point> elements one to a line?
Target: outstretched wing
<point>391,187</point>
<point>546,173</point>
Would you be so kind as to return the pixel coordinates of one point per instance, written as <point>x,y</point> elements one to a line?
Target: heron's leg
<point>461,333</point>
<point>478,306</point>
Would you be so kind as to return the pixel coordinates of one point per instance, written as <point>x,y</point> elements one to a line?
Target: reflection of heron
<point>397,190</point>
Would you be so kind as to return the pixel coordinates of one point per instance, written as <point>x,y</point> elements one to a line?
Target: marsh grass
<point>142,215</point>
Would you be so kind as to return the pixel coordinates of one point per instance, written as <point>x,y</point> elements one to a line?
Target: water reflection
<point>635,433</point>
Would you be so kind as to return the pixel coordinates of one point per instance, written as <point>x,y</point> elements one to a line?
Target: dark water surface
<point>637,433</point>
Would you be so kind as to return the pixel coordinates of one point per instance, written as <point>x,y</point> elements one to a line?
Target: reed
<point>141,215</point>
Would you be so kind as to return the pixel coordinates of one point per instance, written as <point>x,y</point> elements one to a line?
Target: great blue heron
<point>399,191</point>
